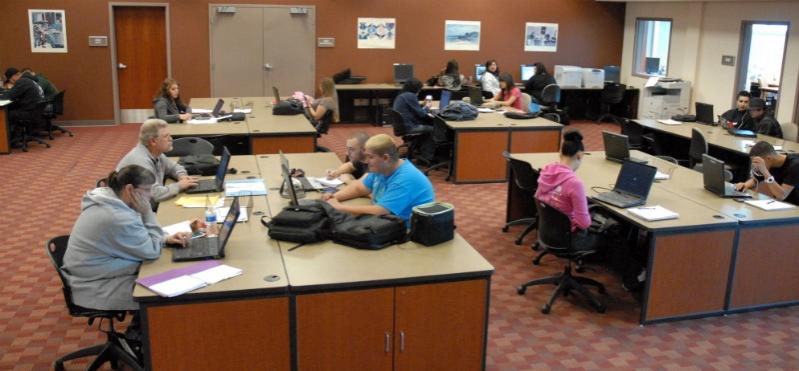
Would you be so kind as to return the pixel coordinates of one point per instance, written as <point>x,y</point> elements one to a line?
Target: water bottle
<point>210,221</point>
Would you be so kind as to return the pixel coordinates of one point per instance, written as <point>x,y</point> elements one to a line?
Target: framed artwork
<point>48,30</point>
<point>541,37</point>
<point>377,33</point>
<point>462,35</point>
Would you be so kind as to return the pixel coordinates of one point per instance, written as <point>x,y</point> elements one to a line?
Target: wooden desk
<point>5,134</point>
<point>477,155</point>
<point>689,257</point>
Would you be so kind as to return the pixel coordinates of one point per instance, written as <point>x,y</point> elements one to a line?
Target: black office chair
<point>322,126</point>
<point>25,127</point>
<point>54,109</point>
<point>612,94</point>
<point>698,148</point>
<point>444,143</point>
<point>635,134</point>
<point>409,141</point>
<point>525,177</point>
<point>554,234</point>
<point>550,98</point>
<point>117,348</point>
<point>190,146</point>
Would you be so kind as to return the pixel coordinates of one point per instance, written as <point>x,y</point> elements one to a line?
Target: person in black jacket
<point>417,120</point>
<point>168,106</point>
<point>25,95</point>
<point>535,85</point>
<point>737,114</point>
<point>759,121</point>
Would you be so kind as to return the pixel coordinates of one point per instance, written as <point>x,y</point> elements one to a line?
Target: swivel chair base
<point>566,282</point>
<point>531,224</point>
<point>113,352</point>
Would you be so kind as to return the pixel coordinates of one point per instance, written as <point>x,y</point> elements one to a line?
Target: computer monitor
<point>612,74</point>
<point>527,71</point>
<point>479,70</point>
<point>402,72</point>
<point>704,113</point>
<point>652,65</point>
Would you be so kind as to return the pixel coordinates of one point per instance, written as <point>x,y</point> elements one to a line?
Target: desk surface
<point>260,121</point>
<point>379,86</point>
<point>494,120</point>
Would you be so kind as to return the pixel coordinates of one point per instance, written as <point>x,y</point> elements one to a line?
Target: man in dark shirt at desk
<point>759,121</point>
<point>736,115</point>
<point>773,173</point>
<point>416,118</point>
<point>24,96</point>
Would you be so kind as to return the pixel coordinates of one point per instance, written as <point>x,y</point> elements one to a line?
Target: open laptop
<point>704,113</point>
<point>215,113</point>
<point>632,186</point>
<point>293,201</point>
<point>475,96</point>
<point>218,183</point>
<point>307,184</point>
<point>617,147</point>
<point>210,247</point>
<point>713,176</point>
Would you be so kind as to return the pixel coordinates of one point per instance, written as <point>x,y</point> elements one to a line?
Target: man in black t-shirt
<point>355,167</point>
<point>760,121</point>
<point>737,114</point>
<point>774,174</point>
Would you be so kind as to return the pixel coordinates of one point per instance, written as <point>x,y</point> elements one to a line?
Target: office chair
<point>635,134</point>
<point>525,177</point>
<point>789,131</point>
<point>408,140</point>
<point>54,109</point>
<point>554,234</point>
<point>117,348</point>
<point>698,148</point>
<point>550,98</point>
<point>612,94</point>
<point>190,146</point>
<point>322,126</point>
<point>669,159</point>
<point>526,99</point>
<point>26,127</point>
<point>444,143</point>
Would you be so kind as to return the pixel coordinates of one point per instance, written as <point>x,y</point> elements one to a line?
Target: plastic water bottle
<point>210,221</point>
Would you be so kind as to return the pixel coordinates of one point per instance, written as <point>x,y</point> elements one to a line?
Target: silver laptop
<point>632,185</point>
<point>215,113</point>
<point>713,177</point>
<point>617,147</point>
<point>218,183</point>
<point>210,247</point>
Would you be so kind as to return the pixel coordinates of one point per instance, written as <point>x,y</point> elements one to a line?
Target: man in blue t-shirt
<point>396,186</point>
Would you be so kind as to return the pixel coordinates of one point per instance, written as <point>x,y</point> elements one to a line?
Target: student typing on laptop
<point>168,106</point>
<point>772,173</point>
<point>416,118</point>
<point>356,166</point>
<point>736,115</point>
<point>509,95</point>
<point>154,141</point>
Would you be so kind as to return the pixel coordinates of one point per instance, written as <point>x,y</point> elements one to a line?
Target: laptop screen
<point>227,225</point>
<point>713,174</point>
<point>635,179</point>
<point>475,95</point>
<point>276,94</point>
<point>222,169</point>
<point>704,113</point>
<point>616,146</point>
<point>218,107</point>
<point>479,70</point>
<point>446,95</point>
<point>289,186</point>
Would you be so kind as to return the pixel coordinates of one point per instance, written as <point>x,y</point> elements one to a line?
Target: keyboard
<point>205,247</point>
<point>204,186</point>
<point>619,199</point>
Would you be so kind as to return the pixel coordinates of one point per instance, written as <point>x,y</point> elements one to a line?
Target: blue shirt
<point>399,192</point>
<point>407,104</point>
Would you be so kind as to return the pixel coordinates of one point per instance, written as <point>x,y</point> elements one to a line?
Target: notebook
<point>653,213</point>
<point>182,280</point>
<point>770,205</point>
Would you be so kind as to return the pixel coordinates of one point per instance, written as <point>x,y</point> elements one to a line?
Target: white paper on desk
<point>184,226</point>
<point>243,110</point>
<point>653,213</point>
<point>670,122</point>
<point>245,187</point>
<point>4,102</point>
<point>177,286</point>
<point>202,121</point>
<point>216,274</point>
<point>329,183</point>
<point>221,213</point>
<point>770,205</point>
<point>652,81</point>
<point>201,110</point>
<point>661,176</point>
<point>485,110</point>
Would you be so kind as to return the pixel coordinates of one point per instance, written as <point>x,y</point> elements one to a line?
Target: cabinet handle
<point>388,342</point>
<point>402,341</point>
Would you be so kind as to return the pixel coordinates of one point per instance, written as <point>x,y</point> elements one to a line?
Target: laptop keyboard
<point>618,199</point>
<point>204,185</point>
<point>201,247</point>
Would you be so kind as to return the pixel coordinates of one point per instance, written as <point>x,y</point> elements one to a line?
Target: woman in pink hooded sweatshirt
<point>559,187</point>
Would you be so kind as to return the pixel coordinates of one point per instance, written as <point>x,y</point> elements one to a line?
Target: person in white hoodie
<point>115,232</point>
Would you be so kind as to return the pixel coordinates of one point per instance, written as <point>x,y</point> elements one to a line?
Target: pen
<point>770,202</point>
<point>646,208</point>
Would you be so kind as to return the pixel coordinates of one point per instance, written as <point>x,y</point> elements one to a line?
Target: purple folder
<point>177,272</point>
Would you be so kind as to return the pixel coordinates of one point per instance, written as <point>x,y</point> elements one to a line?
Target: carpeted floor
<point>41,192</point>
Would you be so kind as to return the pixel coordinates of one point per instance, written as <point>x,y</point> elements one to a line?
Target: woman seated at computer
<point>168,106</point>
<point>490,78</point>
<point>509,95</point>
<point>328,102</point>
<point>540,79</point>
<point>450,77</point>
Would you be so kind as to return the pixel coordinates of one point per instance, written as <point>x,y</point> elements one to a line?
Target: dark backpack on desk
<point>302,224</point>
<point>288,107</point>
<point>370,232</point>
<point>205,164</point>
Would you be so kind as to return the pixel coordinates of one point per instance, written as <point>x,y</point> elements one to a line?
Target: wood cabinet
<point>434,326</point>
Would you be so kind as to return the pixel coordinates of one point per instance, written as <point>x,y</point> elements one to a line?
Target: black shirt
<point>788,173</point>
<point>25,94</point>
<point>360,169</point>
<point>536,84</point>
<point>734,115</point>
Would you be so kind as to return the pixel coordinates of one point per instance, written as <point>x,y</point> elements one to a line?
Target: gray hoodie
<point>107,245</point>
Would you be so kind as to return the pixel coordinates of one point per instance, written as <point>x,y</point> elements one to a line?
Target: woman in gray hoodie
<point>114,233</point>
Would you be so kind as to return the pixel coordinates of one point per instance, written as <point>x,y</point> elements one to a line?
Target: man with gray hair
<point>154,141</point>
<point>773,173</point>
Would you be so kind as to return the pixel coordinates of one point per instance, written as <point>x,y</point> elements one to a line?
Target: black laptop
<point>218,183</point>
<point>704,113</point>
<point>632,186</point>
<point>617,147</point>
<point>475,96</point>
<point>215,113</point>
<point>210,247</point>
<point>713,176</point>
<point>289,187</point>
<point>307,184</point>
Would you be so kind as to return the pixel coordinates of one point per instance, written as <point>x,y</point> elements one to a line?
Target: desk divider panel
<point>288,144</point>
<point>766,267</point>
<point>534,141</point>
<point>4,128</point>
<point>479,156</point>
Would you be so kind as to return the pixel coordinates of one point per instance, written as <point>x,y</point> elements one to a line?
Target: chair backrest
<point>789,131</point>
<point>613,93</point>
<point>190,146</point>
<point>524,175</point>
<point>58,103</point>
<point>526,99</point>
<point>634,132</point>
<point>323,125</point>
<point>698,146</point>
<point>56,248</point>
<point>551,94</point>
<point>441,133</point>
<point>554,228</point>
<point>397,122</point>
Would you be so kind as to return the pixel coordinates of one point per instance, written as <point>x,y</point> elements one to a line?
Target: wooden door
<point>440,326</point>
<point>141,54</point>
<point>288,54</point>
<point>236,51</point>
<point>348,330</point>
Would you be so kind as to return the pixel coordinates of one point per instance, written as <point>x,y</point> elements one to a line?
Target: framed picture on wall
<point>541,37</point>
<point>462,35</point>
<point>48,30</point>
<point>376,33</point>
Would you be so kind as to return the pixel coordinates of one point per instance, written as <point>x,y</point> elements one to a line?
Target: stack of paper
<point>202,121</point>
<point>661,176</point>
<point>201,110</point>
<point>245,187</point>
<point>653,213</point>
<point>4,102</point>
<point>182,280</point>
<point>221,213</point>
<point>184,226</point>
<point>750,143</point>
<point>770,205</point>
<point>198,201</point>
<point>328,183</point>
<point>243,110</point>
<point>670,122</point>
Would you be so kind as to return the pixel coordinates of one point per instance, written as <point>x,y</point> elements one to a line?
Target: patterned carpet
<point>41,193</point>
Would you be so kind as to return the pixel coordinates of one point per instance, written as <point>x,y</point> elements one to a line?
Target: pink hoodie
<point>559,187</point>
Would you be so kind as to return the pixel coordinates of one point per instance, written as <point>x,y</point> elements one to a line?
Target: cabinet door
<point>441,326</point>
<point>348,330</point>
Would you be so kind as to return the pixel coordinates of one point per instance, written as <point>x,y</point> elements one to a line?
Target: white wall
<point>704,31</point>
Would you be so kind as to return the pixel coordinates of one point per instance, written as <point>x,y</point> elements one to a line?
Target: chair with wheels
<point>612,94</point>
<point>698,148</point>
<point>554,234</point>
<point>444,143</point>
<point>190,146</point>
<point>55,109</point>
<point>550,98</point>
<point>117,349</point>
<point>635,134</point>
<point>409,141</point>
<point>526,99</point>
<point>25,126</point>
<point>525,177</point>
<point>322,126</point>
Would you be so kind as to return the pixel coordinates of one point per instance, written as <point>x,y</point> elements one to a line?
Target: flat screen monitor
<point>479,70</point>
<point>652,65</point>
<point>612,74</point>
<point>402,72</point>
<point>527,71</point>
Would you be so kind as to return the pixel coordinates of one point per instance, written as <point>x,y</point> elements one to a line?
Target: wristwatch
<point>770,179</point>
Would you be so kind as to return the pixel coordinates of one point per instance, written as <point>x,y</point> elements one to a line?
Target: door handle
<point>122,66</point>
<point>388,342</point>
<point>402,341</point>
<point>267,66</point>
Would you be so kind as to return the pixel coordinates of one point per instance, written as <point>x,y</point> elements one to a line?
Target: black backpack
<point>289,106</point>
<point>302,224</point>
<point>205,164</point>
<point>370,232</point>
